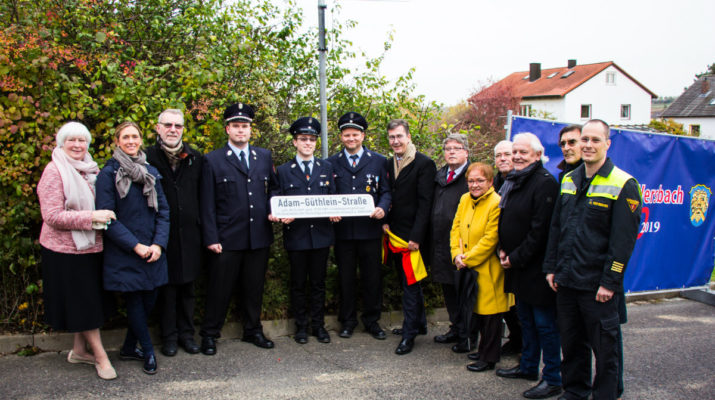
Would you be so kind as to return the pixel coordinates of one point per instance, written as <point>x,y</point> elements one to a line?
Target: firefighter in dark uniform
<point>307,240</point>
<point>237,183</point>
<point>593,232</point>
<point>358,239</point>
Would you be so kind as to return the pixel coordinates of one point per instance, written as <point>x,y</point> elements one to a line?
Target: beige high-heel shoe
<point>73,358</point>
<point>107,374</point>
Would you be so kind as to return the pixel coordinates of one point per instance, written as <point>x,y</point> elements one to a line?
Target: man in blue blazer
<point>236,186</point>
<point>307,240</point>
<point>358,239</point>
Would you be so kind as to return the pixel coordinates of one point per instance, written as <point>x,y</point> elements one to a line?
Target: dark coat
<point>523,233</point>
<point>124,270</point>
<point>409,215</point>
<point>181,188</point>
<point>368,177</point>
<point>444,206</point>
<point>234,203</point>
<point>307,233</point>
<point>498,181</point>
<point>566,168</point>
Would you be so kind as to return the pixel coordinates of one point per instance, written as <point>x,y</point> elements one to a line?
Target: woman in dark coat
<point>180,167</point>
<point>134,260</point>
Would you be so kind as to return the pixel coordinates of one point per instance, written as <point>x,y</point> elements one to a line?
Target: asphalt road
<point>668,355</point>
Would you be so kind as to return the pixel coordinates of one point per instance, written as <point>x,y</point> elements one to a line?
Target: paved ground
<point>669,355</point>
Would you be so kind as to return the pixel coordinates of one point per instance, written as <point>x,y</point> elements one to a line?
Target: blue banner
<point>676,245</point>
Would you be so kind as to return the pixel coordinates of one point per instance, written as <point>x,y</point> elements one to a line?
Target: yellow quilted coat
<point>476,224</point>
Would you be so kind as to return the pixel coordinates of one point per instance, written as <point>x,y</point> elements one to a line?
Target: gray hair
<point>534,142</point>
<point>393,124</point>
<point>72,129</point>
<point>459,138</point>
<point>171,111</point>
<point>508,142</point>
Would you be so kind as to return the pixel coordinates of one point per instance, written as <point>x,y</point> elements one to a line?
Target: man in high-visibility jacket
<point>593,232</point>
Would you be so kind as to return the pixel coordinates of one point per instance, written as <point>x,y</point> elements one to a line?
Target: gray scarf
<point>133,169</point>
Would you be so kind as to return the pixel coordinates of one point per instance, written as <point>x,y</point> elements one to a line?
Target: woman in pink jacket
<point>72,247</point>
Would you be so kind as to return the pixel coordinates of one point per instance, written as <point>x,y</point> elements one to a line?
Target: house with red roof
<point>576,93</point>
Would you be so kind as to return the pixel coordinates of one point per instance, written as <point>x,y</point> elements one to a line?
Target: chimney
<point>571,63</point>
<point>705,87</point>
<point>534,71</point>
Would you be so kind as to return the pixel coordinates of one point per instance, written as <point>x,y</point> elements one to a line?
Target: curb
<point>112,339</point>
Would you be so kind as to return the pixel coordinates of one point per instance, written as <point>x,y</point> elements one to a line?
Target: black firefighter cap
<point>352,120</point>
<point>238,112</point>
<point>305,126</point>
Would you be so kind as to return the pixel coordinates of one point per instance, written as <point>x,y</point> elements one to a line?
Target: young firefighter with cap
<point>358,239</point>
<point>236,186</point>
<point>307,240</point>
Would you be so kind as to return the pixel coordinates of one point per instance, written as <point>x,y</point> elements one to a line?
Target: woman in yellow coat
<point>473,240</point>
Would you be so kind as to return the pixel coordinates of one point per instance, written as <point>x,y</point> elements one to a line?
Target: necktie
<point>306,169</point>
<point>354,157</point>
<point>242,159</point>
<point>450,176</point>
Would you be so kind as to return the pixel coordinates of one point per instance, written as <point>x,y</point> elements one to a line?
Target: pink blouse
<point>57,223</point>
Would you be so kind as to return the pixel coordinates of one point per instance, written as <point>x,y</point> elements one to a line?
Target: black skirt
<point>72,290</point>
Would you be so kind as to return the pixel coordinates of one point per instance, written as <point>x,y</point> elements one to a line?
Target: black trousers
<point>308,266</point>
<point>586,325</point>
<point>177,311</point>
<point>451,302</point>
<point>245,269</point>
<point>490,336</point>
<point>365,253</point>
<point>512,322</point>
<point>413,303</point>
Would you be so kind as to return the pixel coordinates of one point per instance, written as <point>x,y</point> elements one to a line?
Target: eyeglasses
<point>169,125</point>
<point>451,149</point>
<point>307,139</point>
<point>475,182</point>
<point>571,142</point>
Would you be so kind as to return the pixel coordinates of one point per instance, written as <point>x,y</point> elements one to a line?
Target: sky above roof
<point>456,46</point>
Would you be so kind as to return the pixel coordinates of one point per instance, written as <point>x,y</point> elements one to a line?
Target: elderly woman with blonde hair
<point>71,242</point>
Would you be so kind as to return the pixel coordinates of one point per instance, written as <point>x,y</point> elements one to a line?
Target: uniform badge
<point>699,202</point>
<point>367,188</point>
<point>633,204</point>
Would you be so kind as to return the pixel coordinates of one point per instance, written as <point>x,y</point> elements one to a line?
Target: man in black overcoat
<point>237,183</point>
<point>180,166</point>
<point>411,177</point>
<point>450,183</point>
<point>359,170</point>
<point>527,201</point>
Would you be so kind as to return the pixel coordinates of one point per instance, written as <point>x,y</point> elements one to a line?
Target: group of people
<point>508,246</point>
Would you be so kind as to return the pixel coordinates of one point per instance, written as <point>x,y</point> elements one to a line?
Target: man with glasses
<point>571,148</point>
<point>237,183</point>
<point>180,167</point>
<point>411,176</point>
<point>359,170</point>
<point>449,186</point>
<point>593,232</point>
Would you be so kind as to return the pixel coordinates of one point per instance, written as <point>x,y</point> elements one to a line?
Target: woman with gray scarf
<point>72,247</point>
<point>134,260</point>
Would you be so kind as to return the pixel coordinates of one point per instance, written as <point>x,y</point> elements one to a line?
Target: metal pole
<point>508,124</point>
<point>322,48</point>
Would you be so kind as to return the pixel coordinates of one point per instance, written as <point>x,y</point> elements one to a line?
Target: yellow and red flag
<point>412,262</point>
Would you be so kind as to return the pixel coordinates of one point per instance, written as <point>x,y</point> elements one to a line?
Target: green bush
<point>102,62</point>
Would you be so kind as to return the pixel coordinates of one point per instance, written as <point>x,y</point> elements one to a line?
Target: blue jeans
<point>139,306</point>
<point>540,338</point>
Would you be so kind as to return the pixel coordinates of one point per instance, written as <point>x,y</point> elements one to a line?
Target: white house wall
<point>606,100</point>
<point>555,107</point>
<point>707,125</point>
